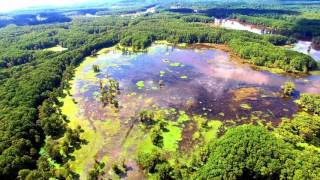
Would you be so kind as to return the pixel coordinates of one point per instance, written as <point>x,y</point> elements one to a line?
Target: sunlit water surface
<point>199,81</point>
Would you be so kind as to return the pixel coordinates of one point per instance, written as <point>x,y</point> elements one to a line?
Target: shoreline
<point>240,61</point>
<point>223,47</point>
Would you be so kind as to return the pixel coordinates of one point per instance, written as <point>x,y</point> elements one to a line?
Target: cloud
<point>10,5</point>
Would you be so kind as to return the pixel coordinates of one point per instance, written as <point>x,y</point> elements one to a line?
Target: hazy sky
<point>9,5</point>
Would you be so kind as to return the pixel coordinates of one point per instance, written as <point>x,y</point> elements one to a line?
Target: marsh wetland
<point>162,90</point>
<point>182,87</point>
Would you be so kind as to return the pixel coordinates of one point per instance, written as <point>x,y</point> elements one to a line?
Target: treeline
<point>15,57</point>
<point>264,54</point>
<point>197,18</point>
<point>274,26</point>
<point>260,50</point>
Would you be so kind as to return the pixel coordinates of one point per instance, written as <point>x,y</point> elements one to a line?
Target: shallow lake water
<point>198,81</point>
<point>202,81</point>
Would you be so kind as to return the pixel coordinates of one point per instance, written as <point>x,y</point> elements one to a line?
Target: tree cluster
<point>109,94</point>
<point>311,102</point>
<point>30,87</point>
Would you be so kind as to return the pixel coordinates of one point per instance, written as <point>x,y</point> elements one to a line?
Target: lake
<point>197,81</point>
<point>205,78</point>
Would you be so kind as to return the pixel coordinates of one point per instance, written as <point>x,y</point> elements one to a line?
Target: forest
<point>32,81</point>
<point>259,50</point>
<point>37,143</point>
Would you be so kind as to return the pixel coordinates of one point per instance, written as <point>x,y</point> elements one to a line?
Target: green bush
<point>311,102</point>
<point>288,88</point>
<point>303,128</point>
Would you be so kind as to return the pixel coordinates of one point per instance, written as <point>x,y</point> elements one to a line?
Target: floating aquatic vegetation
<point>212,130</point>
<point>140,84</point>
<point>196,135</point>
<point>176,64</point>
<point>245,93</point>
<point>245,106</point>
<point>183,117</point>
<point>143,145</point>
<point>162,73</point>
<point>184,77</point>
<point>172,137</point>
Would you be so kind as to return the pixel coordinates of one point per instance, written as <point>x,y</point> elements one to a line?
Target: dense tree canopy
<point>26,83</point>
<point>311,102</point>
<point>245,152</point>
<point>303,128</point>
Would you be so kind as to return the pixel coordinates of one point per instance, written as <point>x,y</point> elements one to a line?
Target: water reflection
<point>200,81</point>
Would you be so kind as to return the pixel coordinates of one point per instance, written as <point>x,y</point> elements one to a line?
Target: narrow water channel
<point>301,46</point>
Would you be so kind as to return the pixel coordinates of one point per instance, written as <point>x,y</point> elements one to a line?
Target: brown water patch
<point>249,93</point>
<point>261,104</point>
<point>134,171</point>
<point>222,47</point>
<point>244,104</point>
<point>188,141</point>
